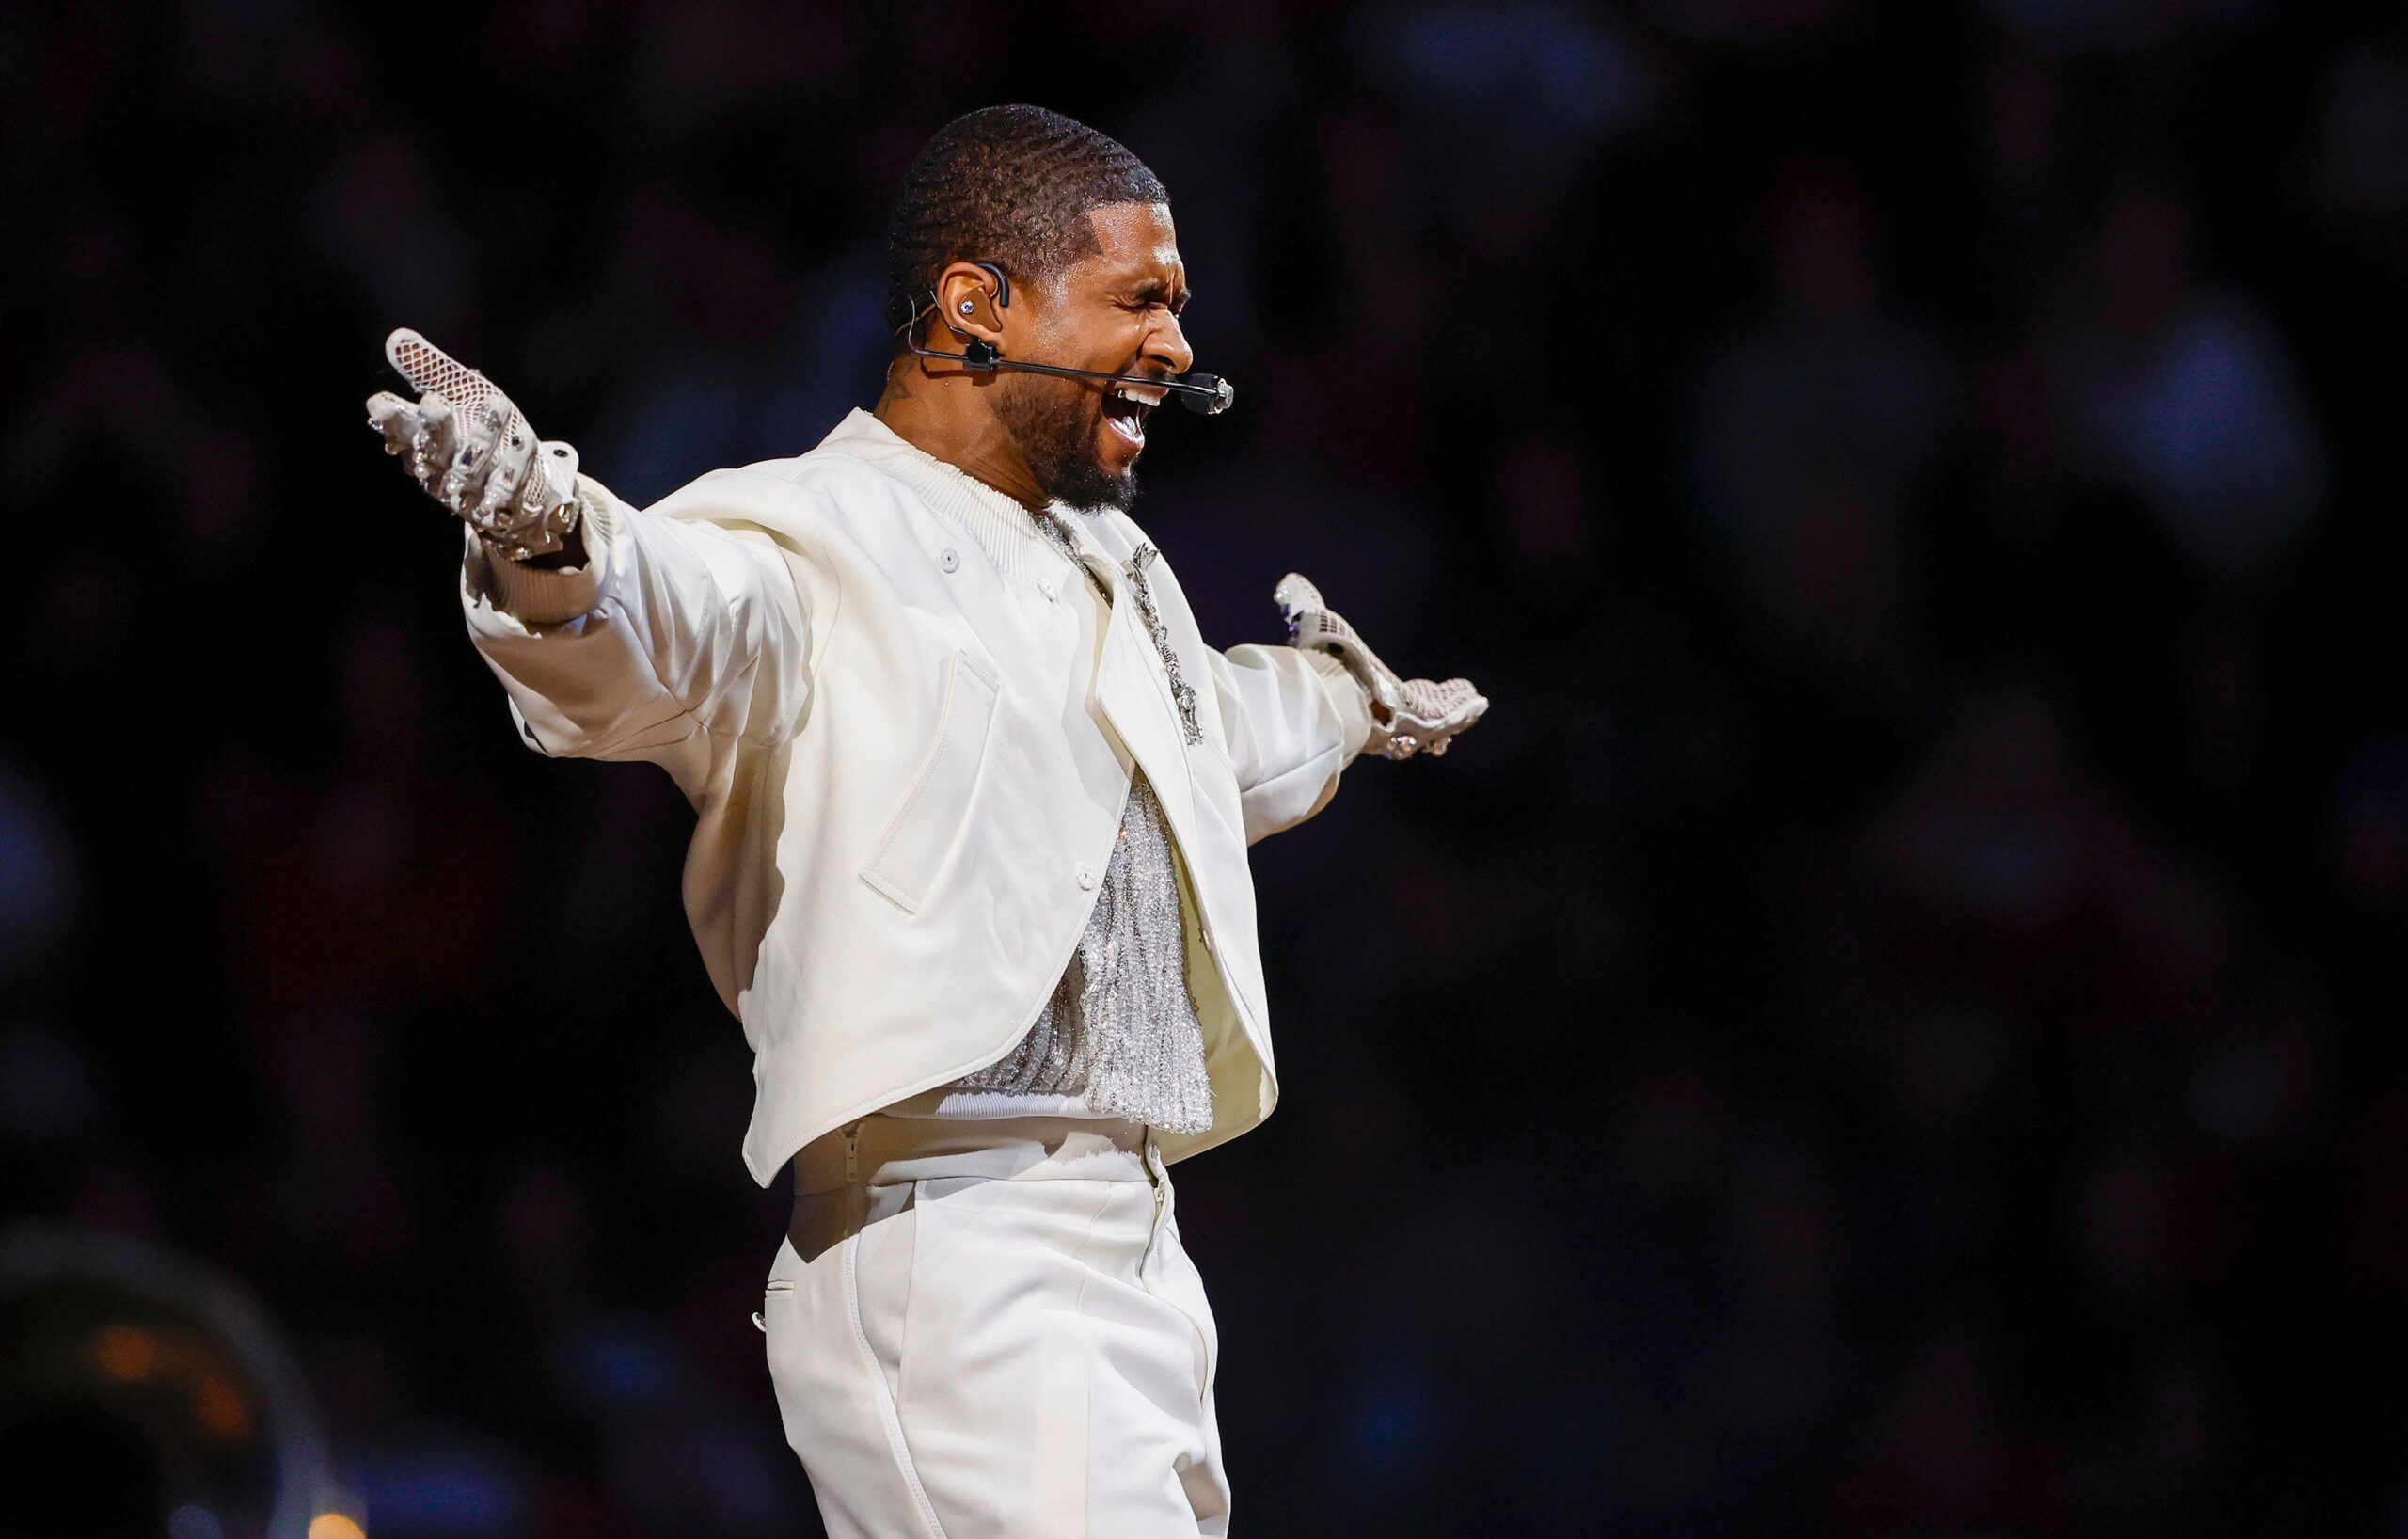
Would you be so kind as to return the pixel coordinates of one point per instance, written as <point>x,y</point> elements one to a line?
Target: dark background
<point>1883,1030</point>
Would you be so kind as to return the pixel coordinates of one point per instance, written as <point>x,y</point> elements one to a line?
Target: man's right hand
<point>481,459</point>
<point>1409,716</point>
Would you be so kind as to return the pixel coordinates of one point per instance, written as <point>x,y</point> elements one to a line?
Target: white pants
<point>1014,1343</point>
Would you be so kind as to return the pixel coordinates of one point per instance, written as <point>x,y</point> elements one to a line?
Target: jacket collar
<point>1003,529</point>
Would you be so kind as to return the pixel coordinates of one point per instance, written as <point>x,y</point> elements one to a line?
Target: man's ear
<point>966,301</point>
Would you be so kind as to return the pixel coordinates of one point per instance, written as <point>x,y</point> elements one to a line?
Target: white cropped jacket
<point>859,665</point>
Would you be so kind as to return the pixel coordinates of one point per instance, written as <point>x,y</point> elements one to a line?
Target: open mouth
<point>1125,409</point>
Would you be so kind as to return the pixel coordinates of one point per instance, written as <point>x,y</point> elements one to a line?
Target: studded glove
<point>1408,715</point>
<point>470,449</point>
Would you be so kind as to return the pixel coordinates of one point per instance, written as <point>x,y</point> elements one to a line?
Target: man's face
<point>1116,311</point>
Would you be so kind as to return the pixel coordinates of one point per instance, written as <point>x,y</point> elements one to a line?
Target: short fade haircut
<point>1011,186</point>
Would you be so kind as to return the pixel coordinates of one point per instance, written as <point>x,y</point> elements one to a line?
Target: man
<point>973,799</point>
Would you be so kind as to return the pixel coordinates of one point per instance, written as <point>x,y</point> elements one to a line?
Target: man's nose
<point>1167,348</point>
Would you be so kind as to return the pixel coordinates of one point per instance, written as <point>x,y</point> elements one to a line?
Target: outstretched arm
<point>1293,720</point>
<point>617,635</point>
<point>672,632</point>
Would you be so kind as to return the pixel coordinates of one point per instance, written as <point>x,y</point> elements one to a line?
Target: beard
<point>1056,430</point>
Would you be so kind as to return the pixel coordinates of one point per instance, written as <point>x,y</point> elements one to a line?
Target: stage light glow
<point>336,1526</point>
<point>222,1408</point>
<point>126,1352</point>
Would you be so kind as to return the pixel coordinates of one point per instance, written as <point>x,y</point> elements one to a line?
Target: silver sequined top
<point>1121,1032</point>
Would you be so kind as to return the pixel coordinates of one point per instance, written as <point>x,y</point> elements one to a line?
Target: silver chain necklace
<point>1049,525</point>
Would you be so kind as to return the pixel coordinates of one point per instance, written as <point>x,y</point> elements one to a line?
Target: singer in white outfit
<point>972,800</point>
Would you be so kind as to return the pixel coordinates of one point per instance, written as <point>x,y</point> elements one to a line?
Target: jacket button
<point>1086,875</point>
<point>1045,586</point>
<point>949,559</point>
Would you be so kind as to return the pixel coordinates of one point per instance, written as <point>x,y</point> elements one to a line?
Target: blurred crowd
<point>1881,1032</point>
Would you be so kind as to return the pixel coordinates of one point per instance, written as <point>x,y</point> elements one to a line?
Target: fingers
<point>395,418</point>
<point>506,478</point>
<point>484,462</point>
<point>551,478</point>
<point>480,434</point>
<point>1430,717</point>
<point>557,463</point>
<point>437,442</point>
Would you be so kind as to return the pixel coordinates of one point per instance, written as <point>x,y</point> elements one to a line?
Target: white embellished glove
<point>1408,715</point>
<point>473,452</point>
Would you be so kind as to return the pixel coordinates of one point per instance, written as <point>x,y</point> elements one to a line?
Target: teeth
<point>1132,426</point>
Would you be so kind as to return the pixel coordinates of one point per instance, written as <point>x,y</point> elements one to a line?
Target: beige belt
<point>857,1174</point>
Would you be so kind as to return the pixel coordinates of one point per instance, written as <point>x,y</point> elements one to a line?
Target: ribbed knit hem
<point>1004,531</point>
<point>542,597</point>
<point>536,595</point>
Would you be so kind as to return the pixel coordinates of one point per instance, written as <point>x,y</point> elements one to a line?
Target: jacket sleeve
<point>677,631</point>
<point>1294,720</point>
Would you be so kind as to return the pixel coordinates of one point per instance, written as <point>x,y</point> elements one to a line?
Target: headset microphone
<point>1208,395</point>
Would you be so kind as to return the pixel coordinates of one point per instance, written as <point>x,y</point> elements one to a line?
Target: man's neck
<point>945,418</point>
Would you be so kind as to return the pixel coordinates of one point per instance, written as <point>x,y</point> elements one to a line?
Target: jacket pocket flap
<point>905,861</point>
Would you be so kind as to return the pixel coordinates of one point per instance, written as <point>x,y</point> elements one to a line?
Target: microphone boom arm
<point>1207,395</point>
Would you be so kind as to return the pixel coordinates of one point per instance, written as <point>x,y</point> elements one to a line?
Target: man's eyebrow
<point>1151,288</point>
